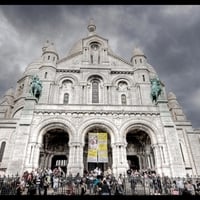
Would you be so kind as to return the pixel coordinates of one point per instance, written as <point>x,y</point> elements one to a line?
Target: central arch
<point>90,163</point>
<point>97,126</point>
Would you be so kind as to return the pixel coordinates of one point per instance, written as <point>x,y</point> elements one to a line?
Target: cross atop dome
<point>91,27</point>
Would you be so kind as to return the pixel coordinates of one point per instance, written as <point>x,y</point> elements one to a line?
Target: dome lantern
<point>91,27</point>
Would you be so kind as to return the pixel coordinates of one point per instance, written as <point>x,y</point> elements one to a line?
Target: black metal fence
<point>8,185</point>
<point>138,185</point>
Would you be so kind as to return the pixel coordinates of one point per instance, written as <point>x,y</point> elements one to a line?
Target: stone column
<point>121,164</point>
<point>158,158</point>
<point>148,161</point>
<point>114,158</point>
<point>36,155</point>
<point>75,163</point>
<point>151,161</point>
<point>125,157</point>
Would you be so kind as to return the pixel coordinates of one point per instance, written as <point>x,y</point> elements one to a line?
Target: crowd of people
<point>98,182</point>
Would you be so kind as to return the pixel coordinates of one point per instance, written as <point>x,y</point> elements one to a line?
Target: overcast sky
<point>168,35</point>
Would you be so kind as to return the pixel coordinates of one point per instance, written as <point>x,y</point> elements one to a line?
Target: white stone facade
<point>94,90</point>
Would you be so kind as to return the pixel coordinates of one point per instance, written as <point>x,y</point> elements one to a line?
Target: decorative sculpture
<point>36,87</point>
<point>155,89</point>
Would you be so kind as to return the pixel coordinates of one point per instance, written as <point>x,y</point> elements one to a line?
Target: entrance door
<point>92,166</point>
<point>59,160</point>
<point>133,162</point>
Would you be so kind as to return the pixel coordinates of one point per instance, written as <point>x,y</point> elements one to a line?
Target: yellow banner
<point>102,137</point>
<point>102,147</point>
<point>92,147</point>
<point>92,141</point>
<point>97,147</point>
<point>92,153</point>
<point>103,154</point>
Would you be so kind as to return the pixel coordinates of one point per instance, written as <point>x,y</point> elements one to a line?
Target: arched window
<point>3,144</point>
<point>143,77</point>
<point>95,91</point>
<point>66,98</point>
<point>123,99</point>
<point>45,75</point>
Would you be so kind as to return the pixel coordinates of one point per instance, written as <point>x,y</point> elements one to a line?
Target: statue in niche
<point>67,84</point>
<point>122,86</point>
<point>95,59</point>
<point>155,89</point>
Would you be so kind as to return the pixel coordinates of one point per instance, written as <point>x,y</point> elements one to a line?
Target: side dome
<point>9,92</point>
<point>32,67</point>
<point>171,96</point>
<point>138,52</point>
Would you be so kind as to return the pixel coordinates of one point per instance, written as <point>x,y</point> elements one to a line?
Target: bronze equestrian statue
<point>36,87</point>
<point>155,89</point>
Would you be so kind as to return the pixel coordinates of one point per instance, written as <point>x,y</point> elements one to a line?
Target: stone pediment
<point>92,46</point>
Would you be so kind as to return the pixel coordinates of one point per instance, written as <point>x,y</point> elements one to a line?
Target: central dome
<point>77,47</point>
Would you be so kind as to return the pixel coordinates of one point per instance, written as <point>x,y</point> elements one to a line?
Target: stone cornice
<point>92,112</point>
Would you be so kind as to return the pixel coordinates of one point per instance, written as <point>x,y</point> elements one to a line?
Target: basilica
<point>92,108</point>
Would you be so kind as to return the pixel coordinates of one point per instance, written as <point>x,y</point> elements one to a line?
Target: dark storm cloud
<point>168,35</point>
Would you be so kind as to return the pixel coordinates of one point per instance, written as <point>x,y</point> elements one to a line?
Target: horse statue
<point>36,87</point>
<point>155,89</point>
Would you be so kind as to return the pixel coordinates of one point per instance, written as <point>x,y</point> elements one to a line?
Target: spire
<point>49,46</point>
<point>137,52</point>
<point>91,27</point>
<point>46,44</point>
<point>49,51</point>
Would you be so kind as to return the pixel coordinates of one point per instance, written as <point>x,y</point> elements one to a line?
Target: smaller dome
<point>171,96</point>
<point>32,67</point>
<point>46,44</point>
<point>138,52</point>
<point>49,47</point>
<point>9,92</point>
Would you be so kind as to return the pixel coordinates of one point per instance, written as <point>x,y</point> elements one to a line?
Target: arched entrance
<point>103,156</point>
<point>55,149</point>
<point>139,151</point>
